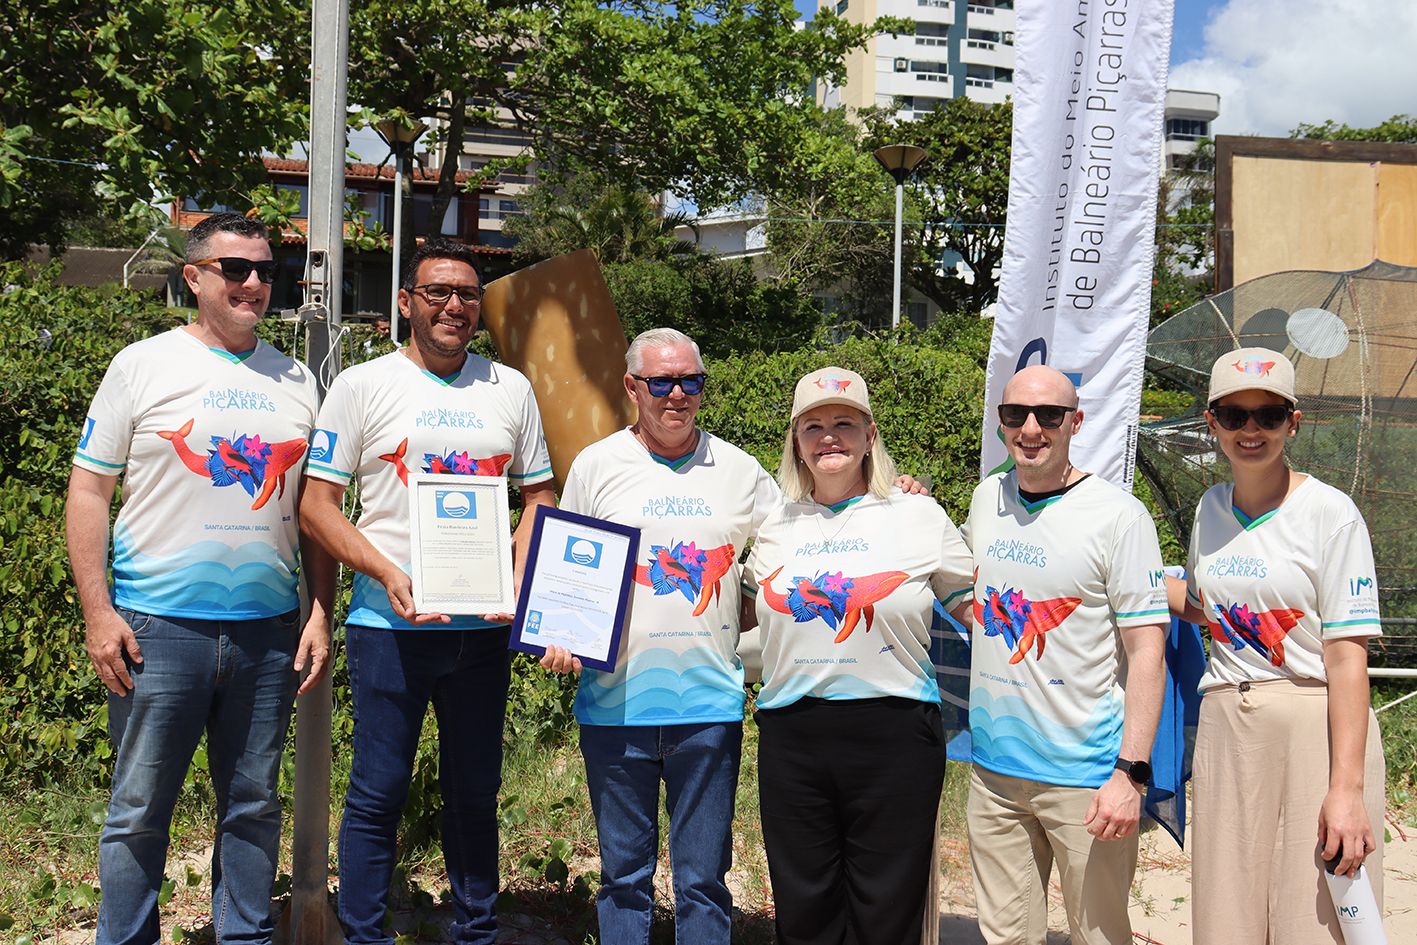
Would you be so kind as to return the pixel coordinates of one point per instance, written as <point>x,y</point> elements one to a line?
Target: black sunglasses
<point>1049,416</point>
<point>237,268</point>
<point>662,386</point>
<point>1268,417</point>
<point>440,293</point>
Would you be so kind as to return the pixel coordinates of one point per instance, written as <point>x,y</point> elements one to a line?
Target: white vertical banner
<point>1075,287</point>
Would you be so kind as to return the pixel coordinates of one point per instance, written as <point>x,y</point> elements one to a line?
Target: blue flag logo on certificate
<point>456,504</point>
<point>583,551</point>
<point>533,623</point>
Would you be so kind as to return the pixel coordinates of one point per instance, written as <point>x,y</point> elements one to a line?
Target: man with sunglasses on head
<point>1069,617</point>
<point>431,407</point>
<point>199,632</point>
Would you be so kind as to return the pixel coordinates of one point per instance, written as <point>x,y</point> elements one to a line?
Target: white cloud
<point>1277,63</point>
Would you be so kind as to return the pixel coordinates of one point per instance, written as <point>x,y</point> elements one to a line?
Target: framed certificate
<point>576,589</point>
<point>461,544</point>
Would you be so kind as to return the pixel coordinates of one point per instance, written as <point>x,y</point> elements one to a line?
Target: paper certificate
<point>461,543</point>
<point>576,590</point>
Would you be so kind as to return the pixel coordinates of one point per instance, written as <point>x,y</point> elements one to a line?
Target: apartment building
<point>959,49</point>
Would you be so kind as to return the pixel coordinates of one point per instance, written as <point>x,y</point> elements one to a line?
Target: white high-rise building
<point>958,49</point>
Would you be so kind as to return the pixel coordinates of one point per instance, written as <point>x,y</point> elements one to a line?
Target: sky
<point>1277,63</point>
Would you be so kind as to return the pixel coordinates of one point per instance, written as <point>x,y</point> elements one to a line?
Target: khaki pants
<point>1260,776</point>
<point>1017,830</point>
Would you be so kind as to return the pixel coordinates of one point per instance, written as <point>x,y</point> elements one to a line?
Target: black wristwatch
<point>1138,771</point>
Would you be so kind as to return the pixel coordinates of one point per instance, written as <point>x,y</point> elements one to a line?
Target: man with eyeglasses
<point>1069,618</point>
<point>200,632</point>
<point>431,406</point>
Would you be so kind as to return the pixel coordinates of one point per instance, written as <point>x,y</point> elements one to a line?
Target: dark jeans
<point>850,790</point>
<point>233,680</point>
<point>393,675</point>
<point>699,766</point>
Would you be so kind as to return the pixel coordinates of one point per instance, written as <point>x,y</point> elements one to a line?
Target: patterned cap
<point>1252,369</point>
<point>831,385</point>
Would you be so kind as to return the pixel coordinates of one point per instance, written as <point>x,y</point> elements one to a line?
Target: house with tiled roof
<point>367,276</point>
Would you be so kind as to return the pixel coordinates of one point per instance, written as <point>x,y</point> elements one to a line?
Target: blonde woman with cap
<point>852,751</point>
<point>1288,764</point>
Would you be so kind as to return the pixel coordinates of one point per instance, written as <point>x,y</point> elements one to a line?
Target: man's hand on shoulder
<point>910,485</point>
<point>107,637</point>
<point>1116,808</point>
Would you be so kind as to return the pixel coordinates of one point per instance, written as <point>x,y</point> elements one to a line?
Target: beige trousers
<point>1017,830</point>
<point>1259,778</point>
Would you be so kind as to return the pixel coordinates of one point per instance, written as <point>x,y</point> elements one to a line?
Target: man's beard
<point>422,329</point>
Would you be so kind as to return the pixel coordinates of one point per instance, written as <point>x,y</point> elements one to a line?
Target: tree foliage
<point>142,98</point>
<point>828,229</point>
<point>1399,129</point>
<point>961,194</point>
<point>619,222</point>
<point>700,96</point>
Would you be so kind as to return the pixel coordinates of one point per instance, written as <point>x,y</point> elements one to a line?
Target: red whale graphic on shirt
<point>684,567</point>
<point>257,467</point>
<point>1018,621</point>
<point>1263,631</point>
<point>835,599</point>
<point>459,464</point>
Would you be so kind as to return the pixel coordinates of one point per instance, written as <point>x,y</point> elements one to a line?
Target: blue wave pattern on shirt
<point>210,580</point>
<point>663,687</point>
<point>369,607</point>
<point>844,686</point>
<point>1010,739</point>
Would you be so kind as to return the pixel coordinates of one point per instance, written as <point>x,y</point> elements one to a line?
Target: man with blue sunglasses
<point>672,710</point>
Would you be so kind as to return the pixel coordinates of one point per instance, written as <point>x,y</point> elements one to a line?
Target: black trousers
<point>850,790</point>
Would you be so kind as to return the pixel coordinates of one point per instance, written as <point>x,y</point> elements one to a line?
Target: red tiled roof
<point>420,175</point>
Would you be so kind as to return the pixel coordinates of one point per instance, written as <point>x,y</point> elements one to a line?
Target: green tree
<point>617,221</point>
<point>703,96</point>
<point>961,194</point>
<point>106,105</point>
<point>1185,233</point>
<point>1399,129</point>
<point>827,229</point>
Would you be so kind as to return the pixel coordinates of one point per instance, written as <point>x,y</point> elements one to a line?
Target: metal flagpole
<point>309,920</point>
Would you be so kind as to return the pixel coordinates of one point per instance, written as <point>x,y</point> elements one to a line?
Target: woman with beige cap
<point>851,748</point>
<point>1288,763</point>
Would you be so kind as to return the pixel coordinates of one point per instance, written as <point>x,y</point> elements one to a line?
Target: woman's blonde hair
<point>796,480</point>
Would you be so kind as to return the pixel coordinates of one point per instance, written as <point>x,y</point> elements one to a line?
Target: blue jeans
<point>232,679</point>
<point>393,675</point>
<point>699,766</point>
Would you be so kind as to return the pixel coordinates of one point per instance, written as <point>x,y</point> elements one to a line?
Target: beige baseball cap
<point>1252,369</point>
<point>831,385</point>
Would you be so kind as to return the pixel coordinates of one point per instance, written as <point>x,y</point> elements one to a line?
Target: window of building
<point>1187,129</point>
<point>841,6</point>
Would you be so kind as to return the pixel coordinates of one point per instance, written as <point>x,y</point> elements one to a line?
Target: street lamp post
<point>899,160</point>
<point>400,138</point>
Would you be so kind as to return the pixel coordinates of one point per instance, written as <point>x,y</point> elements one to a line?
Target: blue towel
<point>949,651</point>
<point>1175,734</point>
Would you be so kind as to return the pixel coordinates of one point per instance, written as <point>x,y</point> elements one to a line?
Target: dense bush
<point>722,304</point>
<point>927,403</point>
<point>54,346</point>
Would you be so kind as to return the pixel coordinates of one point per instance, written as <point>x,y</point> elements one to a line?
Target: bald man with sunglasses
<point>199,632</point>
<point>1069,610</point>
